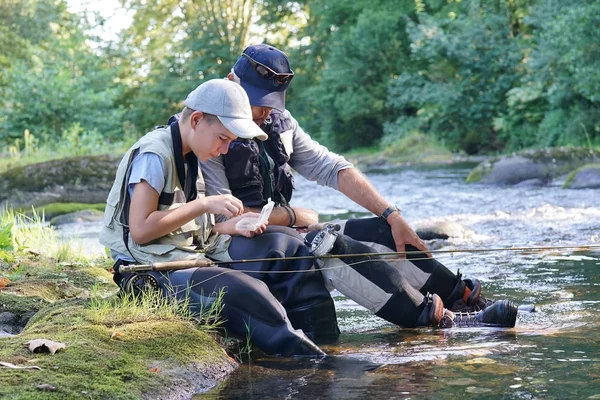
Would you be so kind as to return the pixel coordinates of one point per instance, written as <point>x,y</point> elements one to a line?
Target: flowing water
<point>553,353</point>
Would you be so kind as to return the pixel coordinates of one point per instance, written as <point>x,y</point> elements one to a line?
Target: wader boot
<point>501,314</point>
<point>466,296</point>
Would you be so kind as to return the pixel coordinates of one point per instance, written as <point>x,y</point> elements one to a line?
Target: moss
<point>480,171</point>
<point>43,277</point>
<point>94,365</point>
<point>417,147</point>
<point>20,305</point>
<point>414,148</point>
<point>574,173</point>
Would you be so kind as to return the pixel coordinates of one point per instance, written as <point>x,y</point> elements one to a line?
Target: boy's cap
<point>228,101</point>
<point>263,92</point>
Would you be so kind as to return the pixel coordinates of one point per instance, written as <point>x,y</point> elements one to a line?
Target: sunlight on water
<point>552,353</point>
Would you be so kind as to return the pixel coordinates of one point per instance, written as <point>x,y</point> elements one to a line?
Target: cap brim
<point>260,97</point>
<point>243,128</point>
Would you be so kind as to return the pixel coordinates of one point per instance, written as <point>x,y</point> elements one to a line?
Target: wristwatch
<point>389,210</point>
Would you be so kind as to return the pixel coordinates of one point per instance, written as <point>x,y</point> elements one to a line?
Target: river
<point>553,353</point>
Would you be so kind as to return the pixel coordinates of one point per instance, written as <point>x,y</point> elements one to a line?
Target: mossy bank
<point>114,349</point>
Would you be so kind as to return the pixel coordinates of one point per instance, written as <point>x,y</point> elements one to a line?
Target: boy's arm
<point>147,223</point>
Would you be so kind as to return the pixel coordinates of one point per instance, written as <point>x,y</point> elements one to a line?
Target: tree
<point>55,80</point>
<point>175,45</point>
<point>467,60</point>
<point>355,50</point>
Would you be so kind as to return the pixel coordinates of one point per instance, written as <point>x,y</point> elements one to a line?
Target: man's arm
<point>357,188</point>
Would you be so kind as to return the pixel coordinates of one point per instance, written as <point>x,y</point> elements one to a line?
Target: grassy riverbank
<point>115,347</point>
<point>413,148</point>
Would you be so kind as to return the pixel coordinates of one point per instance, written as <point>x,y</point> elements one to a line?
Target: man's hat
<point>228,101</point>
<point>263,92</point>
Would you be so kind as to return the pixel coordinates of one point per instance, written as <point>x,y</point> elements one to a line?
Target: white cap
<point>229,102</point>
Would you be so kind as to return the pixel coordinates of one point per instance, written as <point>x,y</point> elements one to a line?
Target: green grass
<point>417,147</point>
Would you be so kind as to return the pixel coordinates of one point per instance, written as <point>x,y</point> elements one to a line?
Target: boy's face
<point>210,139</point>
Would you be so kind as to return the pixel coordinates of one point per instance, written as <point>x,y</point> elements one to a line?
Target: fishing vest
<point>257,170</point>
<point>185,242</point>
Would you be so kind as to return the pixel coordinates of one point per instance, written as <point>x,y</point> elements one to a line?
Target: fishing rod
<point>202,263</point>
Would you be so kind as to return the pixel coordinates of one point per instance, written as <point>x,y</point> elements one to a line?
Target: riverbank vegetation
<point>475,77</point>
<point>115,346</point>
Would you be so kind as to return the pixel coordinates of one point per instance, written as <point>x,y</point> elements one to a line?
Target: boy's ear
<point>195,118</point>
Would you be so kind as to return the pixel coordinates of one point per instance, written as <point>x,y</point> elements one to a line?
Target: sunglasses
<point>267,73</point>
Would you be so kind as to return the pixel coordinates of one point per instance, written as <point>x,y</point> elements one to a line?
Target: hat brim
<point>260,97</point>
<point>243,128</point>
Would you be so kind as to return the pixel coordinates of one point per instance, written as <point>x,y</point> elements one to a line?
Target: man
<point>154,214</point>
<point>255,171</point>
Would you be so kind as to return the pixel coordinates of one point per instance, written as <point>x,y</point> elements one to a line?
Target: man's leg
<point>378,286</point>
<point>425,274</point>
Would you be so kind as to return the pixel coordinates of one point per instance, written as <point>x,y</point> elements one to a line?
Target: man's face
<point>210,140</point>
<point>260,114</point>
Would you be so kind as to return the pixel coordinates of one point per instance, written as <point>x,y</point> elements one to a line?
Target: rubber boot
<point>501,314</point>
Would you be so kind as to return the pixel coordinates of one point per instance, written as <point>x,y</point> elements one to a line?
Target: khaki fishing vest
<point>188,242</point>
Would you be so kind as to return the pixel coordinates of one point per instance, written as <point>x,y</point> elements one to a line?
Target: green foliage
<point>366,46</point>
<point>57,82</point>
<point>467,62</point>
<point>557,102</point>
<point>73,142</point>
<point>476,76</point>
<point>31,233</point>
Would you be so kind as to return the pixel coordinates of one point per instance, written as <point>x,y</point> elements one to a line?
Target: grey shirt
<point>310,159</point>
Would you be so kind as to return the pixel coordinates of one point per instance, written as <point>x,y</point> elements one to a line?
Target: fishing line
<point>380,256</point>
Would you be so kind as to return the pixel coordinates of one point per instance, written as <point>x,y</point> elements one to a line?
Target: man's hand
<point>224,204</point>
<point>403,234</point>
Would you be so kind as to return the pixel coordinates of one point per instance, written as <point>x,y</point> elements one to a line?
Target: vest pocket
<point>157,249</point>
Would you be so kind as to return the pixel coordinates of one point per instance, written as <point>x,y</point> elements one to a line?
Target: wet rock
<point>429,230</point>
<point>586,177</point>
<point>75,179</point>
<point>77,217</point>
<point>531,183</point>
<point>540,164</point>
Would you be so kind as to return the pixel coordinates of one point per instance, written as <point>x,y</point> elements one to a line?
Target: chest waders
<point>249,309</point>
<point>426,274</point>
<point>372,282</point>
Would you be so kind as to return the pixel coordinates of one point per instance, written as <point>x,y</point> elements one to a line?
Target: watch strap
<point>389,210</point>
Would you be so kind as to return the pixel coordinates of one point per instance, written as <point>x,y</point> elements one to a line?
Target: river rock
<point>429,230</point>
<point>77,217</point>
<point>532,165</point>
<point>586,177</point>
<point>76,179</point>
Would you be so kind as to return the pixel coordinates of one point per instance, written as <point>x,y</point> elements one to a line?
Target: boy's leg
<point>296,283</point>
<point>248,306</point>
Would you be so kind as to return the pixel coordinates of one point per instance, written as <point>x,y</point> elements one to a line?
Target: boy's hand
<point>225,204</point>
<point>228,227</point>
